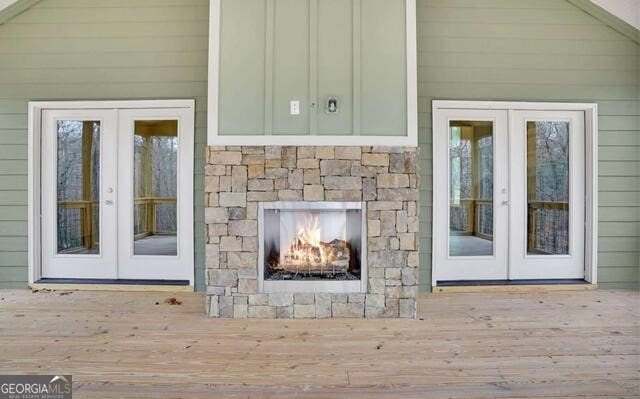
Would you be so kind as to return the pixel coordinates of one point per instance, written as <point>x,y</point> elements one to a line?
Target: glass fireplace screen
<point>312,244</point>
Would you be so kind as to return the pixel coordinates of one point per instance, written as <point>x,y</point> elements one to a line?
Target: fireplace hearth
<point>311,246</point>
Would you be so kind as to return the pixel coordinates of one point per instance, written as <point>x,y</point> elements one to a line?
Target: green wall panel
<point>526,50</point>
<point>60,50</point>
<point>539,50</point>
<point>383,67</point>
<point>277,51</point>
<point>291,66</point>
<point>242,63</point>
<point>336,64</point>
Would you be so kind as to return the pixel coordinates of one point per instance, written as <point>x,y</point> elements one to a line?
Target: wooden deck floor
<point>482,345</point>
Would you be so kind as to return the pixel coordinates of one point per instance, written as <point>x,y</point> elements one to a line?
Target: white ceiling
<point>627,10</point>
<point>6,3</point>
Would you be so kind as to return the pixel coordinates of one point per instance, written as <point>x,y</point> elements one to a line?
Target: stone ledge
<point>275,306</point>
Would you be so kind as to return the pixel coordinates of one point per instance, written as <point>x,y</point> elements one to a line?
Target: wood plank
<point>484,345</point>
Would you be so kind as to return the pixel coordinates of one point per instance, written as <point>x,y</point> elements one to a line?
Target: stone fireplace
<point>311,232</point>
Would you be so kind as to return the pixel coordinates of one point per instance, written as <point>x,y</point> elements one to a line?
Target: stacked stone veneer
<point>238,178</point>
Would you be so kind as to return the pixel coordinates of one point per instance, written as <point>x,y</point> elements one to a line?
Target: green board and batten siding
<point>275,51</point>
<point>533,50</point>
<point>94,49</point>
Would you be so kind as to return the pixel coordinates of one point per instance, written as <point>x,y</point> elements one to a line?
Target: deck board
<point>464,345</point>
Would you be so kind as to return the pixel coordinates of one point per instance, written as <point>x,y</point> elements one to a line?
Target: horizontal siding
<point>59,50</point>
<point>13,274</point>
<point>536,50</point>
<point>12,284</point>
<point>539,50</point>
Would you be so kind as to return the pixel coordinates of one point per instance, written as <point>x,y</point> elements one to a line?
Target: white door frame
<point>591,168</point>
<point>34,204</point>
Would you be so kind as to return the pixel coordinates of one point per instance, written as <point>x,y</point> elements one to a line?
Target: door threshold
<point>514,286</point>
<point>82,284</point>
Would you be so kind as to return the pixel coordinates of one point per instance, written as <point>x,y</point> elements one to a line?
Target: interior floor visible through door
<point>156,245</point>
<point>470,245</point>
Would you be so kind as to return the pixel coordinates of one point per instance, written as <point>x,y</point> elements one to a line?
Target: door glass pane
<point>547,188</point>
<point>78,186</point>
<point>155,180</point>
<point>470,188</point>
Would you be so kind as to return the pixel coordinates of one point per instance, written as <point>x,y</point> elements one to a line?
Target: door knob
<point>108,202</point>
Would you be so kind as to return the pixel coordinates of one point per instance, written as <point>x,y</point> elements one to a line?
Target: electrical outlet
<point>294,107</point>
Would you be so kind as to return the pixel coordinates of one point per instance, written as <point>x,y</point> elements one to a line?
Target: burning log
<point>303,257</point>
<point>307,255</point>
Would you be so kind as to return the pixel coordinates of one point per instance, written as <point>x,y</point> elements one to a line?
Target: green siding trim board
<point>520,50</point>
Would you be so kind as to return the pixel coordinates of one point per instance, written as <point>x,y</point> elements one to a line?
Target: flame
<point>309,232</point>
<point>307,253</point>
<point>306,247</point>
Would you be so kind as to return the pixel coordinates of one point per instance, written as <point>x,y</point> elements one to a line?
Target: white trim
<point>214,138</point>
<point>111,104</point>
<point>213,73</point>
<point>591,167</point>
<point>512,105</point>
<point>412,74</point>
<point>33,193</point>
<point>316,140</point>
<point>34,135</point>
<point>591,191</point>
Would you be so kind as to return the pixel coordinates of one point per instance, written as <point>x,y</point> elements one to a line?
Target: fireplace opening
<point>312,241</point>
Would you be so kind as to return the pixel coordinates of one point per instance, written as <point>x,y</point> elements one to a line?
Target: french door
<point>116,194</point>
<point>509,190</point>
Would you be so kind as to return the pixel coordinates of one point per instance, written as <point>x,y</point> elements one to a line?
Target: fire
<point>310,231</point>
<point>307,253</point>
<point>306,247</point>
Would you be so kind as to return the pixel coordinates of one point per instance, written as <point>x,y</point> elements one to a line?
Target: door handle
<point>108,202</point>
<point>505,203</point>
